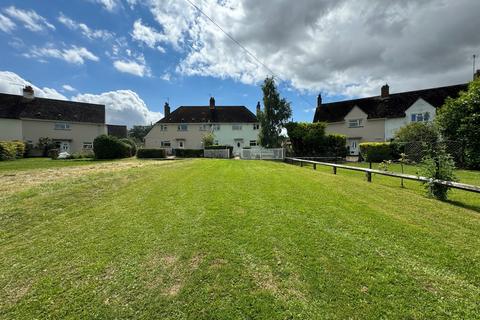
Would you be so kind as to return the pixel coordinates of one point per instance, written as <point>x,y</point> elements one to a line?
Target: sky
<point>134,55</point>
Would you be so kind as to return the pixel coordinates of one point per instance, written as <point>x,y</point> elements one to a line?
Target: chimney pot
<point>166,109</point>
<point>28,93</point>
<point>385,91</point>
<point>212,103</point>
<point>319,100</point>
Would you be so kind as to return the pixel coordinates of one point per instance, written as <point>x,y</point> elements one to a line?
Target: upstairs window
<point>256,126</point>
<point>355,123</point>
<point>62,126</point>
<point>237,127</point>
<point>163,127</point>
<point>182,127</point>
<point>420,117</point>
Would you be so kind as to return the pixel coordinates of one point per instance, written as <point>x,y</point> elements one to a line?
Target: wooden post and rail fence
<point>369,172</point>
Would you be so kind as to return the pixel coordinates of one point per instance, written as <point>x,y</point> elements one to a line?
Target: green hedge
<point>132,144</point>
<point>110,147</point>
<point>188,153</point>
<point>376,151</point>
<point>151,153</point>
<point>10,150</point>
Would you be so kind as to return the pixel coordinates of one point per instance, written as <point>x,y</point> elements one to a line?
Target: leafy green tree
<point>417,131</point>
<point>459,120</point>
<point>138,133</point>
<point>208,139</point>
<point>274,116</point>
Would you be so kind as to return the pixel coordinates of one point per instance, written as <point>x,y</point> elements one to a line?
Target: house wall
<point>78,133</point>
<point>10,129</point>
<point>193,137</point>
<point>420,106</point>
<point>372,129</point>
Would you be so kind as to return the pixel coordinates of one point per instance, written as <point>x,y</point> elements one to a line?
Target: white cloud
<point>74,54</point>
<point>146,34</point>
<point>68,88</point>
<point>133,67</point>
<point>13,84</point>
<point>30,19</point>
<point>6,24</point>
<point>122,107</point>
<point>348,47</point>
<point>109,5</point>
<point>84,29</point>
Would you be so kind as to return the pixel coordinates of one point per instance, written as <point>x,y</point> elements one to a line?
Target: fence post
<point>369,176</point>
<point>334,170</point>
<point>314,166</point>
<point>301,163</point>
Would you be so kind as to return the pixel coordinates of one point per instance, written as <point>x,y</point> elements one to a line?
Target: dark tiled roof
<point>16,107</point>
<point>118,131</point>
<point>393,106</point>
<point>200,114</point>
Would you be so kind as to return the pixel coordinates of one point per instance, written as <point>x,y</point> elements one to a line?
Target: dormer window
<point>355,123</point>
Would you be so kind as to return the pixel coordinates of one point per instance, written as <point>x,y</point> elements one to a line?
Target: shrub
<point>132,144</point>
<point>335,145</point>
<point>53,153</point>
<point>8,150</point>
<point>376,151</point>
<point>188,153</point>
<point>151,153</point>
<point>110,147</point>
<point>208,139</point>
<point>417,131</point>
<point>45,144</point>
<point>439,166</point>
<point>19,148</point>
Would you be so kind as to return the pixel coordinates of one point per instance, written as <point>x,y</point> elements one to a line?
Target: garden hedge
<point>10,150</point>
<point>110,147</point>
<point>188,153</point>
<point>376,151</point>
<point>151,153</point>
<point>133,145</point>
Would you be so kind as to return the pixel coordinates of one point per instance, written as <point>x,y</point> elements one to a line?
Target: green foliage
<point>188,153</point>
<point>376,151</point>
<point>151,153</point>
<point>274,116</point>
<point>459,119</point>
<point>53,153</point>
<point>418,131</point>
<point>132,144</point>
<point>8,150</point>
<point>110,147</point>
<point>138,133</point>
<point>46,144</point>
<point>309,139</point>
<point>208,139</point>
<point>438,166</point>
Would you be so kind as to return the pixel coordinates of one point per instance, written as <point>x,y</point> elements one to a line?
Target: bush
<point>132,144</point>
<point>221,147</point>
<point>19,148</point>
<point>376,151</point>
<point>44,144</point>
<point>417,131</point>
<point>439,166</point>
<point>8,150</point>
<point>188,153</point>
<point>53,153</point>
<point>110,147</point>
<point>151,153</point>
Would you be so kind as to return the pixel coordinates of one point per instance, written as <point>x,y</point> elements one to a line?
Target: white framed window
<point>182,127</point>
<point>355,123</point>
<point>88,145</point>
<point>420,117</point>
<point>256,126</point>
<point>181,144</point>
<point>62,126</point>
<point>163,127</point>
<point>209,127</point>
<point>237,127</point>
<point>165,144</point>
<point>253,143</point>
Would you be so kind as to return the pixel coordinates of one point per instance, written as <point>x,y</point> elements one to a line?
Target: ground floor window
<point>165,144</point>
<point>253,143</point>
<point>88,145</point>
<point>181,144</point>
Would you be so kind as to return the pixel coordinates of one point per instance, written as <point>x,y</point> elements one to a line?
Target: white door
<point>65,146</point>
<point>353,146</point>
<point>181,144</point>
<point>238,145</point>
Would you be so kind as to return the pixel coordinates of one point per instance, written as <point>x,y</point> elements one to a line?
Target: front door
<point>64,146</point>
<point>353,147</point>
<point>181,144</point>
<point>237,148</point>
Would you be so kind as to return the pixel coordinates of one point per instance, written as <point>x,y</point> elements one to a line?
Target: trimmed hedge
<point>133,145</point>
<point>188,153</point>
<point>221,147</point>
<point>10,150</point>
<point>151,153</point>
<point>110,147</point>
<point>376,151</point>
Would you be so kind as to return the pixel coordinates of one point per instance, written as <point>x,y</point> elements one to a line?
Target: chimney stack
<point>166,109</point>
<point>385,91</point>
<point>28,93</point>
<point>258,108</point>
<point>212,103</point>
<point>319,100</point>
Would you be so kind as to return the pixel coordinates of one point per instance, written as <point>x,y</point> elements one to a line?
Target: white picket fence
<point>217,153</point>
<point>262,154</point>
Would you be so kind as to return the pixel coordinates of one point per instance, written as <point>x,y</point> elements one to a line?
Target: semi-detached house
<point>378,118</point>
<point>185,127</point>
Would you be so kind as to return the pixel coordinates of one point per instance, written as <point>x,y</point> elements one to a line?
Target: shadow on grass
<point>464,205</point>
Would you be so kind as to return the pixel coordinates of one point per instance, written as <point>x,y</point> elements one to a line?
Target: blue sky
<point>145,52</point>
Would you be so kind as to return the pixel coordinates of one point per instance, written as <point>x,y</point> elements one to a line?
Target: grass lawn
<point>231,239</point>
<point>40,163</point>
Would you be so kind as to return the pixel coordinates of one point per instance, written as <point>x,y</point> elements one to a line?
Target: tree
<point>208,139</point>
<point>138,133</point>
<point>417,131</point>
<point>274,116</point>
<point>459,120</point>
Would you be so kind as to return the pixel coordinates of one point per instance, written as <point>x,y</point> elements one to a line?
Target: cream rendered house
<point>378,118</point>
<point>185,127</point>
<point>72,125</point>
